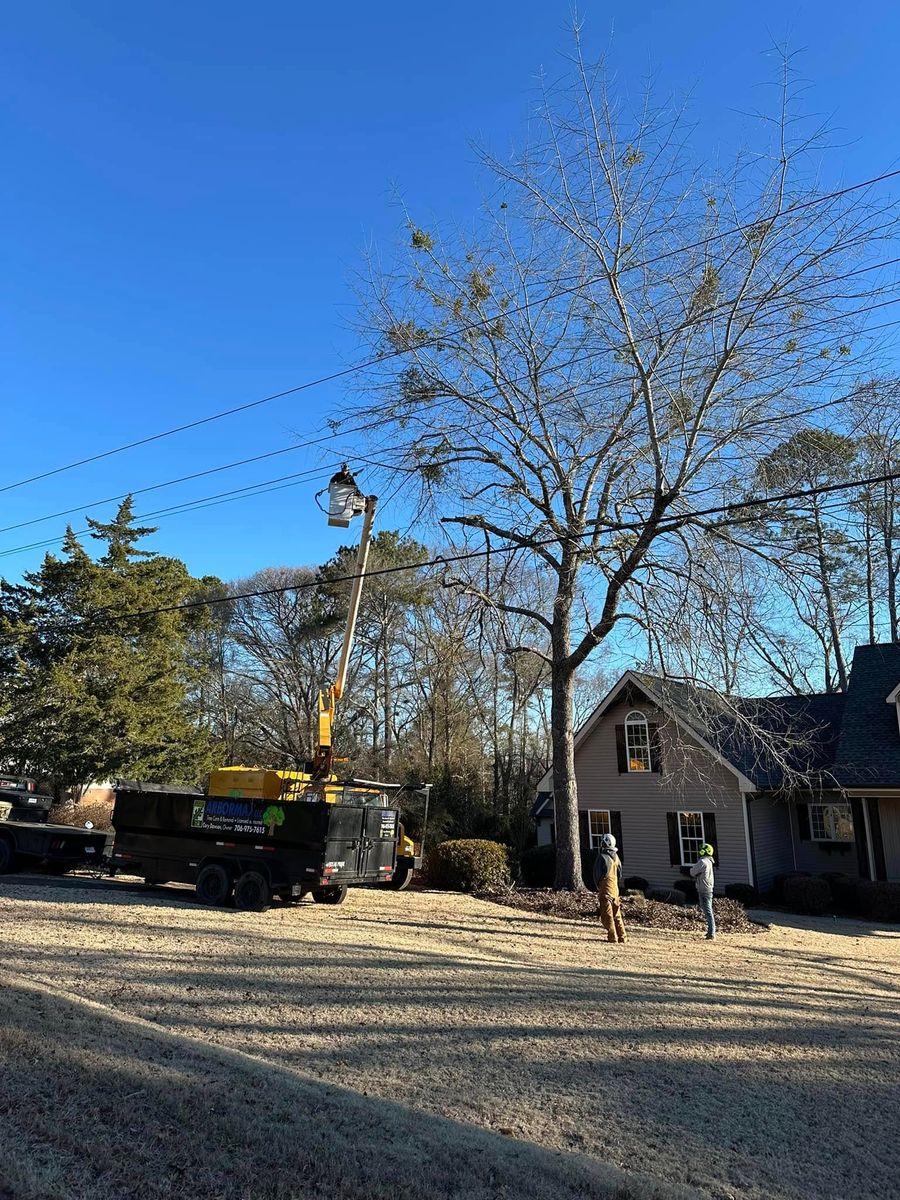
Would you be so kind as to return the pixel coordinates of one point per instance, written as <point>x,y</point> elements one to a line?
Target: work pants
<point>706,907</point>
<point>611,914</point>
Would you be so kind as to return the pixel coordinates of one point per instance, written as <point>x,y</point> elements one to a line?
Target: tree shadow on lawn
<point>780,1085</point>
<point>102,1108</point>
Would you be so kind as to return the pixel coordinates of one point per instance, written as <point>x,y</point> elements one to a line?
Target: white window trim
<point>591,843</point>
<point>696,813</point>
<point>637,718</point>
<point>829,837</point>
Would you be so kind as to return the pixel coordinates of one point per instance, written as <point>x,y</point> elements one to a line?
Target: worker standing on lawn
<point>607,877</point>
<point>702,873</point>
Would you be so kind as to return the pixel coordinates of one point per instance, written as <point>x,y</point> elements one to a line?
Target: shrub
<point>688,889</point>
<point>100,813</point>
<point>744,893</point>
<point>805,894</point>
<point>468,865</point>
<point>878,901</point>
<point>537,867</point>
<point>780,880</point>
<point>635,883</point>
<point>666,895</point>
<point>843,890</point>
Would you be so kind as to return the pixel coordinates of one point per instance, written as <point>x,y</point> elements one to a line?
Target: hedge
<point>744,893</point>
<point>468,865</point>
<point>878,901</point>
<point>635,883</point>
<point>537,867</point>
<point>805,894</point>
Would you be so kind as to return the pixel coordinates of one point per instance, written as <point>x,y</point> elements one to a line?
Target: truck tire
<point>401,878</point>
<point>214,885</point>
<point>252,892</point>
<point>330,895</point>
<point>7,857</point>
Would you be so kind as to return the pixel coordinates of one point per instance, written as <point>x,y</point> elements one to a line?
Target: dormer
<point>894,698</point>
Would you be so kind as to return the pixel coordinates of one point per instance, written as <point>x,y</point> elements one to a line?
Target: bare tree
<point>619,342</point>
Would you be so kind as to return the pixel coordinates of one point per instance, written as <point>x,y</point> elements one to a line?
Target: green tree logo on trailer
<point>272,817</point>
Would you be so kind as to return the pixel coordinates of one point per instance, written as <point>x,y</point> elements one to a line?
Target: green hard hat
<point>706,850</point>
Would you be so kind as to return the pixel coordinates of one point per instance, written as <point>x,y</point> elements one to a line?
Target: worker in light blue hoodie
<point>702,874</point>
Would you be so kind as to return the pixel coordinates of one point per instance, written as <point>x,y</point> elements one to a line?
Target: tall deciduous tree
<point>620,341</point>
<point>93,690</point>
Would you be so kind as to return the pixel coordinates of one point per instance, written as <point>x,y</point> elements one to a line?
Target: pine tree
<point>93,691</point>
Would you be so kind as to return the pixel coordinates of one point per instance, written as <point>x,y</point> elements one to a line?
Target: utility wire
<point>377,359</point>
<point>668,525</point>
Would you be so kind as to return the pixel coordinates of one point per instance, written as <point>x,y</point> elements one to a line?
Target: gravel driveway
<point>754,1067</point>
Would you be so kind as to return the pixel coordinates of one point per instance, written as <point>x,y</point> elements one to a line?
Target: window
<point>598,824</point>
<point>691,836</point>
<point>637,742</point>
<point>831,822</point>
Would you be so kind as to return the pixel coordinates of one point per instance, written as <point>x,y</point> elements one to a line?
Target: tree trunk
<point>565,792</point>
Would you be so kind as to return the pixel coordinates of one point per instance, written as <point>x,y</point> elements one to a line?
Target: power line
<point>674,523</point>
<point>377,359</point>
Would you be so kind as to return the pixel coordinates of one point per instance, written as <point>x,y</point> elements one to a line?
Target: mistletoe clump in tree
<point>93,688</point>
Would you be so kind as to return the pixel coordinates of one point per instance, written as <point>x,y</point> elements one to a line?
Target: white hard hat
<point>607,842</point>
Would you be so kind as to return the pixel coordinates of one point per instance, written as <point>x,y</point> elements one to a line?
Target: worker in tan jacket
<point>607,877</point>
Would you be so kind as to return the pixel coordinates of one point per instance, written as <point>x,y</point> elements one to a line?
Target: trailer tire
<point>401,878</point>
<point>331,895</point>
<point>214,885</point>
<point>252,892</point>
<point>7,857</point>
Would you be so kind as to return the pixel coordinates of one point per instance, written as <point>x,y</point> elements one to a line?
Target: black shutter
<point>584,834</point>
<point>615,828</point>
<point>655,756</point>
<point>803,822</point>
<point>877,838</point>
<point>859,836</point>
<point>709,832</point>
<point>621,749</point>
<point>674,843</point>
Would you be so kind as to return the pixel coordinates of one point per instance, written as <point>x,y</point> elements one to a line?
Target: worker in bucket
<point>704,879</point>
<point>607,876</point>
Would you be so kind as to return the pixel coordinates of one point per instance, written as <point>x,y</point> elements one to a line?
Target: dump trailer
<point>51,848</point>
<point>245,850</point>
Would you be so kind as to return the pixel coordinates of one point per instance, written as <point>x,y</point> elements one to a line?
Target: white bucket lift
<point>345,501</point>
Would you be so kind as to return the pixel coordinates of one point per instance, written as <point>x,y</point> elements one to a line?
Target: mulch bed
<point>636,910</point>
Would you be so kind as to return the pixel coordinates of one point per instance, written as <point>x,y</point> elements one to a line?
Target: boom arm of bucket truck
<point>323,758</point>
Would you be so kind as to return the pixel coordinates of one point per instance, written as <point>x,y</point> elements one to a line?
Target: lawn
<point>431,1045</point>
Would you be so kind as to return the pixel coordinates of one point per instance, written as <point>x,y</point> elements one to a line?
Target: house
<point>776,784</point>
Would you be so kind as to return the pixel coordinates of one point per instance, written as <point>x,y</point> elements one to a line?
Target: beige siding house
<point>664,766</point>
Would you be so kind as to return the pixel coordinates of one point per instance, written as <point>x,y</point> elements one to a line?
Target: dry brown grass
<point>485,1048</point>
<point>99,812</point>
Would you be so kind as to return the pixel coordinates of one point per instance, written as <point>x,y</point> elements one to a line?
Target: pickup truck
<point>27,802</point>
<point>52,848</point>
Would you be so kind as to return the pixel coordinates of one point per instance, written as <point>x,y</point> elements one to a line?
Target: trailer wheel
<point>401,878</point>
<point>330,895</point>
<point>7,858</point>
<point>214,885</point>
<point>252,892</point>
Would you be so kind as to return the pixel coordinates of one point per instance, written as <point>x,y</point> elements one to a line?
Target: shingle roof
<point>847,739</point>
<point>868,750</point>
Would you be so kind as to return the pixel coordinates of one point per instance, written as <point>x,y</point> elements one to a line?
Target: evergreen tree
<point>93,691</point>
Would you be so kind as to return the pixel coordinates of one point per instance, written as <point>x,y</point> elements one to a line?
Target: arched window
<point>637,742</point>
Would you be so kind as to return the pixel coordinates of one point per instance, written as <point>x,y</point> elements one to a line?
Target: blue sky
<point>187,190</point>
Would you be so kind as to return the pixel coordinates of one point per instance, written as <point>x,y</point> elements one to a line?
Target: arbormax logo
<point>272,817</point>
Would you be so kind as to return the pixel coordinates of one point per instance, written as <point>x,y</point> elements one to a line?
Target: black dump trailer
<point>244,851</point>
<point>51,848</point>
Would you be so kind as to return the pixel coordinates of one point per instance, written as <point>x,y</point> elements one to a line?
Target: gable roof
<point>868,749</point>
<point>847,740</point>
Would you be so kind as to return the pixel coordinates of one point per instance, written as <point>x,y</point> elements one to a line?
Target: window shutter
<point>877,837</point>
<point>621,749</point>
<point>655,756</point>
<point>674,843</point>
<point>709,832</point>
<point>803,822</point>
<point>615,828</point>
<point>584,835</point>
